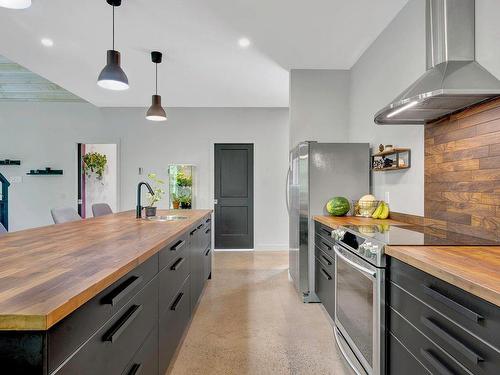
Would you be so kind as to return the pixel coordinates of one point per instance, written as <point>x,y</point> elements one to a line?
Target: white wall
<point>45,134</point>
<point>319,105</point>
<point>103,190</point>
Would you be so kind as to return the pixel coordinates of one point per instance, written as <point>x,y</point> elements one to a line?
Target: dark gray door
<point>234,196</point>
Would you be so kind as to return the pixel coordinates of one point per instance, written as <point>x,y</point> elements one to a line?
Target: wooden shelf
<point>392,152</point>
<point>10,162</point>
<point>45,172</point>
<point>390,169</point>
<point>395,155</point>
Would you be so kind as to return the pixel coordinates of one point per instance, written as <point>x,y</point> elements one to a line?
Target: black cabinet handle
<point>193,231</point>
<point>177,264</point>
<point>178,245</point>
<point>115,296</point>
<point>327,260</point>
<point>452,304</point>
<point>468,353</point>
<point>327,231</point>
<point>176,302</point>
<point>207,231</point>
<point>199,226</point>
<point>328,247</point>
<point>326,274</point>
<point>435,362</point>
<point>208,252</point>
<point>115,332</point>
<point>136,369</point>
<point>208,220</point>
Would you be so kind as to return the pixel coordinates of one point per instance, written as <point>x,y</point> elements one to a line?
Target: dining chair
<point>101,209</point>
<point>64,215</point>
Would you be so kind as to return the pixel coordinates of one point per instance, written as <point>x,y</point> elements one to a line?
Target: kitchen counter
<point>336,221</point>
<point>47,273</point>
<point>475,269</point>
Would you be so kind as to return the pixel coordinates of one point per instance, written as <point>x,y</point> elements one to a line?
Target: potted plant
<point>156,184</point>
<point>176,201</point>
<point>94,162</point>
<point>183,180</point>
<point>185,201</point>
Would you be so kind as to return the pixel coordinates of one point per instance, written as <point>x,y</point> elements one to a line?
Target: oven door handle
<point>364,270</point>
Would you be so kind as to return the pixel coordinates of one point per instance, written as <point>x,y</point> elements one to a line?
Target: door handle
<point>136,369</point>
<point>436,363</point>
<point>216,201</point>
<point>177,264</point>
<point>123,323</point>
<point>326,274</point>
<point>326,260</point>
<point>176,302</point>
<point>114,297</point>
<point>178,245</point>
<point>363,270</point>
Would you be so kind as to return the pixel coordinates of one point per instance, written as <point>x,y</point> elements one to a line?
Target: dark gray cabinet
<point>132,327</point>
<point>325,268</point>
<point>444,329</point>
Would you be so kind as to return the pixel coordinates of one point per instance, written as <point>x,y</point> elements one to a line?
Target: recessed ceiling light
<point>47,42</point>
<point>244,42</point>
<point>15,4</point>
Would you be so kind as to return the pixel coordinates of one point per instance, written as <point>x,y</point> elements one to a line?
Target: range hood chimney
<point>453,80</point>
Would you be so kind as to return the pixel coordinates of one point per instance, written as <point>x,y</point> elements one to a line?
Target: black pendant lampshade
<point>156,111</point>
<point>113,77</point>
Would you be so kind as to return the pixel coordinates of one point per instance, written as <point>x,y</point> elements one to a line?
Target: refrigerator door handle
<point>287,193</point>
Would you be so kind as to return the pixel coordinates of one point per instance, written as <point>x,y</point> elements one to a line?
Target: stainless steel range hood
<point>453,80</point>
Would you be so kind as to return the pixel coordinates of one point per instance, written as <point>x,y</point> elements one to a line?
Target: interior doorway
<point>233,194</point>
<point>97,175</point>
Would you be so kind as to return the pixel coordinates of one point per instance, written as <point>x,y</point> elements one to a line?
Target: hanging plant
<point>94,162</point>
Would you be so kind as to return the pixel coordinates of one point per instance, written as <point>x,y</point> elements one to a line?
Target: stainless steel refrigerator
<point>317,173</point>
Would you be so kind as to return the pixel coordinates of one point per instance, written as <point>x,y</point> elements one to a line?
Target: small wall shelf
<point>395,159</point>
<point>45,172</point>
<point>10,162</point>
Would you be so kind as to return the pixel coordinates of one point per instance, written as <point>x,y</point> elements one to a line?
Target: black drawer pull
<point>178,245</point>
<point>469,354</point>
<point>176,302</point>
<point>115,332</point>
<point>177,264</point>
<point>208,252</point>
<point>436,363</point>
<point>452,304</point>
<point>136,369</point>
<point>199,226</point>
<point>208,220</point>
<point>328,247</point>
<point>117,295</point>
<point>327,231</point>
<point>193,231</point>
<point>207,231</point>
<point>327,260</point>
<point>326,274</point>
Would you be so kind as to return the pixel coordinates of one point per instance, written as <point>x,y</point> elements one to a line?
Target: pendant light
<point>112,77</point>
<point>15,4</point>
<point>156,111</point>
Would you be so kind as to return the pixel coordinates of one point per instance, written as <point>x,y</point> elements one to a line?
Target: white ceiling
<point>203,66</point>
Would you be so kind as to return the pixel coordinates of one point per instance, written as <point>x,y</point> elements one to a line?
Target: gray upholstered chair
<point>64,215</point>
<point>101,209</point>
<point>2,229</point>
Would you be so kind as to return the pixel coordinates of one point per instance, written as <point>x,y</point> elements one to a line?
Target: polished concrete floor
<point>250,320</point>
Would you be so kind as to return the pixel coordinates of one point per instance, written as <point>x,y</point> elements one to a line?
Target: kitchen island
<point>102,295</point>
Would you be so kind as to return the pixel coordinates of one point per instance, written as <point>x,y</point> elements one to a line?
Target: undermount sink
<point>166,218</point>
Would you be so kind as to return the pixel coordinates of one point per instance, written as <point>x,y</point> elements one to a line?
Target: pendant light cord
<point>113,27</point>
<point>156,80</point>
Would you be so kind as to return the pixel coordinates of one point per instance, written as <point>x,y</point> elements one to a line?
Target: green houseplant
<point>183,180</point>
<point>157,186</point>
<point>185,201</point>
<point>176,201</point>
<point>94,162</point>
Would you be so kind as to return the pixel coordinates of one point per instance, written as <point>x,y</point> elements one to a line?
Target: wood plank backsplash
<point>462,171</point>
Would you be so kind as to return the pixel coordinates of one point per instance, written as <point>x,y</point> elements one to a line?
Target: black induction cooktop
<point>417,236</point>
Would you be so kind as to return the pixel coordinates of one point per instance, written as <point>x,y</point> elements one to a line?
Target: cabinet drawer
<point>325,287</point>
<point>471,352</point>
<point>401,361</point>
<point>474,314</point>
<point>173,322</point>
<point>324,244</point>
<point>111,348</point>
<point>172,277</point>
<point>432,357</point>
<point>173,248</point>
<point>67,335</point>
<point>207,236</point>
<point>145,361</point>
<point>323,230</point>
<point>326,260</point>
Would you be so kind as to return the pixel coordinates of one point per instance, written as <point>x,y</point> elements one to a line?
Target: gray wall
<point>319,105</point>
<point>45,134</point>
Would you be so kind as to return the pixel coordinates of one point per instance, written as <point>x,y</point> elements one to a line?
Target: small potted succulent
<point>176,201</point>
<point>156,184</point>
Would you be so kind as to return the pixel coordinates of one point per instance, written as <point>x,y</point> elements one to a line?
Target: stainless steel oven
<point>360,310</point>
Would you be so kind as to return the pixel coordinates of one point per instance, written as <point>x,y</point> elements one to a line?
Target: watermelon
<point>338,206</point>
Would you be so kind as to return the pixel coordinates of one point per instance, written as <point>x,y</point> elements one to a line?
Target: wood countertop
<point>47,273</point>
<point>336,221</point>
<point>475,269</point>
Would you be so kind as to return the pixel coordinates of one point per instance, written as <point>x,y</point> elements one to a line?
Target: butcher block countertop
<point>475,269</point>
<point>47,273</point>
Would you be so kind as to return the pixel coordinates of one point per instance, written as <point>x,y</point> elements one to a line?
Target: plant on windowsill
<point>176,201</point>
<point>156,184</point>
<point>183,180</point>
<point>94,163</point>
<point>185,201</point>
